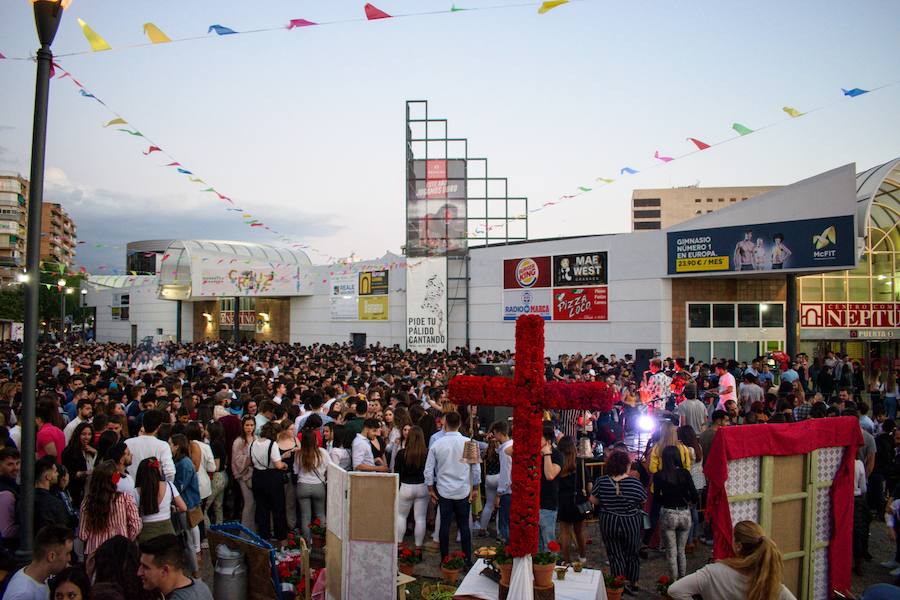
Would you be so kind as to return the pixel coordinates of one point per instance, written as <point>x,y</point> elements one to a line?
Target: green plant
<point>613,582</point>
<point>502,558</point>
<point>436,591</point>
<point>441,594</point>
<point>662,585</point>
<point>454,561</point>
<point>549,557</point>
<point>407,556</point>
<point>316,527</point>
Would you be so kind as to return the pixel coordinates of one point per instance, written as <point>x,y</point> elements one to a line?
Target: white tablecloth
<point>586,585</point>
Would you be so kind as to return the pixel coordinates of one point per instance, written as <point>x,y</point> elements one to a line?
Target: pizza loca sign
<point>567,287</point>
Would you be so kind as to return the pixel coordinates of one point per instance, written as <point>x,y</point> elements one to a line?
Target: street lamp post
<point>83,311</point>
<point>47,16</point>
<point>63,290</point>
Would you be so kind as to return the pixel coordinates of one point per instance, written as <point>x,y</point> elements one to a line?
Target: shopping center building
<point>717,285</point>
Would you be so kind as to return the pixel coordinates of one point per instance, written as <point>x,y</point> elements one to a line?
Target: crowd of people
<point>139,450</point>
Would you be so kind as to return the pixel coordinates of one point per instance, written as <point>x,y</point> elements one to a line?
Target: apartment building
<point>662,208</point>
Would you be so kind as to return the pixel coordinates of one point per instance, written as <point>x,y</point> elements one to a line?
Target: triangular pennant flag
<point>854,92</point>
<point>173,164</point>
<point>741,129</point>
<point>700,145</point>
<point>454,8</point>
<point>605,180</point>
<point>550,5</point>
<point>129,132</point>
<point>665,159</point>
<point>628,170</point>
<point>207,189</point>
<point>90,95</point>
<point>792,111</point>
<point>1,56</point>
<point>581,188</point>
<point>196,180</point>
<point>300,23</point>
<point>185,171</point>
<point>152,149</point>
<point>155,34</point>
<point>116,121</point>
<point>220,30</point>
<point>98,44</point>
<point>373,13</point>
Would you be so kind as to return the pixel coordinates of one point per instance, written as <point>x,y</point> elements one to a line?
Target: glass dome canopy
<point>183,256</point>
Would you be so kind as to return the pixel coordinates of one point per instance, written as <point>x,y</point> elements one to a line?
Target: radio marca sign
<point>565,287</point>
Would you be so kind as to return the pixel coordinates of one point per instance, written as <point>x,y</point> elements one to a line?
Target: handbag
<point>585,507</point>
<point>194,516</point>
<point>180,525</point>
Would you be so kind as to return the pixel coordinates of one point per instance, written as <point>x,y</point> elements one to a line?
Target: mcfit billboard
<point>804,245</point>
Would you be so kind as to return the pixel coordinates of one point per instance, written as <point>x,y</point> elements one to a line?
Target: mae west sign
<point>564,287</point>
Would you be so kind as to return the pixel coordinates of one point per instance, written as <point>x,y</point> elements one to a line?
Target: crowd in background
<point>139,450</point>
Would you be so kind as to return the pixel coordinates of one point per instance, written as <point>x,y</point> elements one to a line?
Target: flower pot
<point>451,576</point>
<point>561,573</point>
<point>614,594</point>
<point>406,569</point>
<point>543,575</point>
<point>505,573</point>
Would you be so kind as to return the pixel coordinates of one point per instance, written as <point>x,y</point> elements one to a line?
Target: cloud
<point>114,218</point>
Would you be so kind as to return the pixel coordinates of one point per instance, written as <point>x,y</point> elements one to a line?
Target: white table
<point>587,585</point>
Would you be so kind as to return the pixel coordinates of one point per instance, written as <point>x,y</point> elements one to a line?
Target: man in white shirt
<point>500,432</point>
<point>726,385</point>
<point>85,411</point>
<point>452,484</point>
<point>52,547</point>
<point>280,391</point>
<point>146,444</point>
<point>361,451</point>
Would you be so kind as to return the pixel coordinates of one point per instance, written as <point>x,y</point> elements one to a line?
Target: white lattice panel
<point>829,462</point>
<point>745,510</point>
<point>820,575</point>
<point>743,476</point>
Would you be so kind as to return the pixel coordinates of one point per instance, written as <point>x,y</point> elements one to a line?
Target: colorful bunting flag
<point>665,159</point>
<point>741,129</point>
<point>90,95</point>
<point>196,180</point>
<point>581,188</point>
<point>300,23</point>
<point>373,13</point>
<point>2,56</point>
<point>792,111</point>
<point>854,92</point>
<point>220,30</point>
<point>173,164</point>
<point>550,5</point>
<point>700,145</point>
<point>98,44</point>
<point>185,171</point>
<point>628,170</point>
<point>454,8</point>
<point>129,132</point>
<point>605,180</point>
<point>152,149</point>
<point>155,34</point>
<point>116,121</point>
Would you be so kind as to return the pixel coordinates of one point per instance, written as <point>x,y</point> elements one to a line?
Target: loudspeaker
<point>358,340</point>
<point>642,358</point>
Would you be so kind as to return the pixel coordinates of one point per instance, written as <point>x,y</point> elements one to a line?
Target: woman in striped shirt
<point>620,498</point>
<point>106,512</point>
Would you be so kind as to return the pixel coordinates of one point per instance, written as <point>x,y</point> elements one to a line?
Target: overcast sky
<point>305,129</point>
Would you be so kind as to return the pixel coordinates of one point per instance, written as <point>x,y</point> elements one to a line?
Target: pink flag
<point>700,145</point>
<point>300,23</point>
<point>165,258</point>
<point>174,164</point>
<point>152,149</point>
<point>663,158</point>
<point>373,13</point>
<point>2,57</point>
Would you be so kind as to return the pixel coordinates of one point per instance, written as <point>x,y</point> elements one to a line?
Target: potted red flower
<point>615,585</point>
<point>662,585</point>
<point>408,558</point>
<point>318,533</point>
<point>543,563</point>
<point>451,565</point>
<point>504,563</point>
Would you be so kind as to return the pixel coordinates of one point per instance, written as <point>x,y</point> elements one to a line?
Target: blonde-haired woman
<point>668,436</point>
<point>754,573</point>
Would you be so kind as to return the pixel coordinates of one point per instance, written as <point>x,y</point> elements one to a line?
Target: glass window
<point>747,351</point>
<point>700,351</point>
<point>723,315</point>
<point>811,289</point>
<point>647,214</point>
<point>835,289</point>
<point>647,202</point>
<point>723,350</point>
<point>698,315</point>
<point>772,315</point>
<point>748,315</point>
<point>776,345</point>
<point>859,289</point>
<point>647,225</point>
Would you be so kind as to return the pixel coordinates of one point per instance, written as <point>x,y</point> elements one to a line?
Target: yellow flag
<point>792,111</point>
<point>97,43</point>
<point>550,5</point>
<point>156,36</point>
<point>116,121</point>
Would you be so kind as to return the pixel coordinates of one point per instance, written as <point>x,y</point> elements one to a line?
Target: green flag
<point>581,188</point>
<point>741,129</point>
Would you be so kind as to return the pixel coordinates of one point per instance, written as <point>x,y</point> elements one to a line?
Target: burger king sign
<point>526,273</point>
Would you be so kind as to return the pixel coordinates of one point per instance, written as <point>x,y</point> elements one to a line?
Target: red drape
<point>784,439</point>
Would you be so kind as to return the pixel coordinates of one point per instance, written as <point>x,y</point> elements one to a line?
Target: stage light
<point>208,317</point>
<point>264,316</point>
<point>646,423</point>
<point>22,278</point>
<point>61,283</point>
